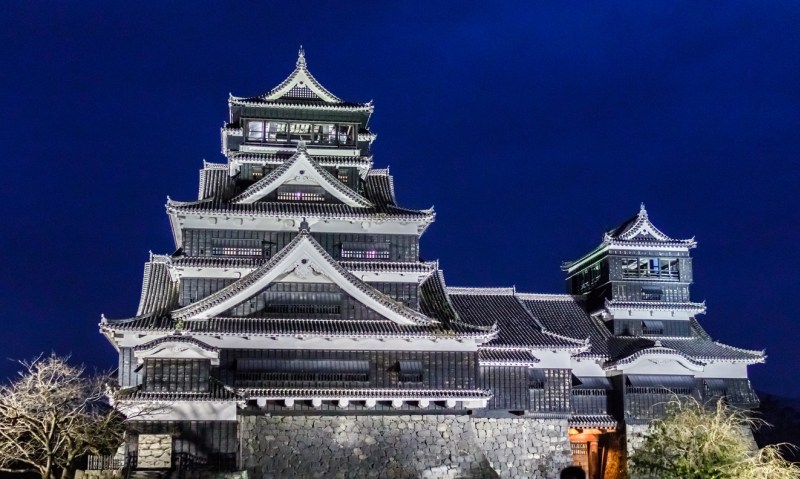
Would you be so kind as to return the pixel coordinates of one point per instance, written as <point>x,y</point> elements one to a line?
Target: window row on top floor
<point>653,268</point>
<point>329,134</point>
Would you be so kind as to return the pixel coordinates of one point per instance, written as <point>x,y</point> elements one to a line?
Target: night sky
<point>532,129</point>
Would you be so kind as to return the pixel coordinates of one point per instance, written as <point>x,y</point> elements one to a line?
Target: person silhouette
<point>572,472</point>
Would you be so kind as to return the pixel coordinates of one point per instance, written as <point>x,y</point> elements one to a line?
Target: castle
<point>295,332</point>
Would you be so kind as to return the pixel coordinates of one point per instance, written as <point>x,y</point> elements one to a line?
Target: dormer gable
<point>656,359</point>
<point>300,88</point>
<point>302,260</point>
<point>301,84</point>
<point>301,170</point>
<point>640,230</point>
<point>176,347</point>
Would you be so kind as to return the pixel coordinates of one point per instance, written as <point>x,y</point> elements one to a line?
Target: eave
<point>286,217</point>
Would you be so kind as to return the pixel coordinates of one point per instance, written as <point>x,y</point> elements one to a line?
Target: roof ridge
<point>551,296</point>
<point>485,291</point>
<point>544,330</point>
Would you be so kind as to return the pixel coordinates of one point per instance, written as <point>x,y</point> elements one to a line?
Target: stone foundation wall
<point>403,447</point>
<point>532,448</point>
<point>155,451</point>
<point>99,474</point>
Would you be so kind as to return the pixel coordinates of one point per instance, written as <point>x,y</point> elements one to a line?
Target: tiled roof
<point>216,392</point>
<point>296,327</point>
<point>175,338</point>
<point>433,394</point>
<point>656,348</point>
<point>506,357</point>
<point>379,187</point>
<point>300,79</point>
<point>327,328</point>
<point>566,315</point>
<point>390,266</point>
<point>218,261</point>
<point>307,210</point>
<point>697,348</point>
<point>151,323</point>
<point>639,230</point>
<point>516,325</point>
<point>159,292</point>
<point>434,301</point>
<point>257,261</point>
<point>215,183</point>
<point>656,305</point>
<point>279,157</point>
<point>706,350</point>
<point>596,421</point>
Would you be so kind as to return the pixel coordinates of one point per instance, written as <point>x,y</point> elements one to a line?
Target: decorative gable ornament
<point>641,230</point>
<point>301,84</point>
<point>301,169</point>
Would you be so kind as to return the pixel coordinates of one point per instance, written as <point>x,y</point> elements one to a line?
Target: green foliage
<point>697,442</point>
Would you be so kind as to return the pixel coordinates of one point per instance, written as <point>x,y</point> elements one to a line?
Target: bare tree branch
<point>52,415</point>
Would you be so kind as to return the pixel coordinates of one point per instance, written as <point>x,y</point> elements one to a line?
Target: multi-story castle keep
<point>295,331</point>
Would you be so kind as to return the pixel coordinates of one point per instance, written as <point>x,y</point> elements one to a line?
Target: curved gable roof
<point>301,169</point>
<point>304,258</point>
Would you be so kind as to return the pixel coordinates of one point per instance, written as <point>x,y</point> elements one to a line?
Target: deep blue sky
<point>531,128</point>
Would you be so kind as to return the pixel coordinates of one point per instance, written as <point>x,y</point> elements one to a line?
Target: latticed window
<point>301,92</point>
<point>237,247</point>
<point>550,389</point>
<point>301,193</point>
<point>176,375</point>
<point>254,372</point>
<point>652,294</point>
<point>660,384</point>
<point>301,302</point>
<point>365,251</point>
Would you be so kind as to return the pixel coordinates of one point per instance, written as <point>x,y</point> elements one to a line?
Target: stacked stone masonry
<point>155,451</point>
<point>444,446</point>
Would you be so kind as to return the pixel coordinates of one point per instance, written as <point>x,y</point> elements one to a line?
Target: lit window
<point>300,132</point>
<point>255,130</point>
<point>301,193</point>
<point>345,134</point>
<point>237,247</point>
<point>324,134</point>
<point>656,268</point>
<point>275,131</point>
<point>365,251</point>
